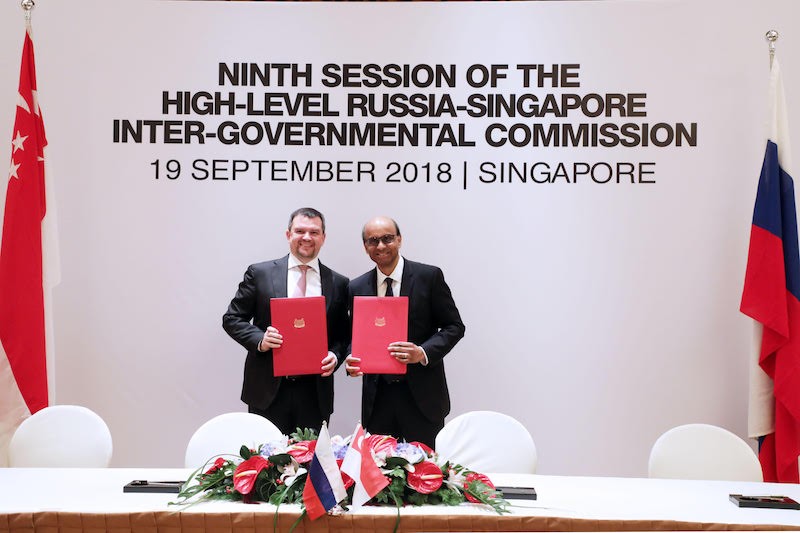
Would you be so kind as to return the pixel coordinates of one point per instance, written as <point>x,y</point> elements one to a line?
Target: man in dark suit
<point>410,406</point>
<point>295,401</point>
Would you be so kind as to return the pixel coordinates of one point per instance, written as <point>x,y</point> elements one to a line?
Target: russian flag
<point>771,296</point>
<point>324,487</point>
<point>359,465</point>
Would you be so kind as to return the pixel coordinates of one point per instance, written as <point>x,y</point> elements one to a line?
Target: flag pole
<point>772,36</point>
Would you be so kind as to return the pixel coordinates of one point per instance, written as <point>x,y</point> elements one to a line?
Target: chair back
<point>68,436</point>
<point>703,451</point>
<point>487,441</point>
<point>225,434</point>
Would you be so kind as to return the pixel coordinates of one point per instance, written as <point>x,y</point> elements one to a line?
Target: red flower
<point>425,447</point>
<point>474,476</point>
<point>302,451</point>
<point>347,480</point>
<point>244,478</point>
<point>219,463</point>
<point>426,477</point>
<point>380,443</point>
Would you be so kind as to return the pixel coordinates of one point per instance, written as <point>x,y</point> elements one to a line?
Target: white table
<point>92,500</point>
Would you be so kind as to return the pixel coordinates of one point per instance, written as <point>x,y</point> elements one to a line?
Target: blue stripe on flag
<point>321,484</point>
<point>775,212</point>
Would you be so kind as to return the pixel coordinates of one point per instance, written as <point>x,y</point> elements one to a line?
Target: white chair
<point>703,451</point>
<point>486,441</point>
<point>61,436</point>
<point>226,434</point>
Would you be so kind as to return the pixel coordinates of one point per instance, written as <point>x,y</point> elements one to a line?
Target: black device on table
<point>764,502</point>
<point>142,485</point>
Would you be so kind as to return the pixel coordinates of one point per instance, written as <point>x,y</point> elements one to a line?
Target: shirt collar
<point>295,262</point>
<point>396,275</point>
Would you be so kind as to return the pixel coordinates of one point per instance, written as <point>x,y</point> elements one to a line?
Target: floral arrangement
<point>277,471</point>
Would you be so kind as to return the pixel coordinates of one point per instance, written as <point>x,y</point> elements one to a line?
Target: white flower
<point>290,472</point>
<point>379,458</point>
<point>455,480</point>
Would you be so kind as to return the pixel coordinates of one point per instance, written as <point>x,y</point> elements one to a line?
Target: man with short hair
<point>409,406</point>
<point>294,401</point>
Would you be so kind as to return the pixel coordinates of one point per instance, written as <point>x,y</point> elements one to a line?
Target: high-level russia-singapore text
<point>402,105</point>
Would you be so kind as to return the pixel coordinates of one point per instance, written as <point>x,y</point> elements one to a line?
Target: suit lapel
<point>373,283</point>
<point>408,278</point>
<point>280,270</point>
<point>326,279</point>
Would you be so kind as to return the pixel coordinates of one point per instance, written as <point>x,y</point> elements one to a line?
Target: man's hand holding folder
<point>302,348</point>
<point>380,330</point>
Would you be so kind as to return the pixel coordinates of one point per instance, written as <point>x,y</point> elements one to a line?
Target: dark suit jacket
<point>261,282</point>
<point>433,323</point>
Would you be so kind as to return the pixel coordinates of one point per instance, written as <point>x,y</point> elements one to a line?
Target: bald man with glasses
<point>411,406</point>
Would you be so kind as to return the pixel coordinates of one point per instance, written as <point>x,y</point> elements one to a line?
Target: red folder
<point>378,322</point>
<point>302,323</point>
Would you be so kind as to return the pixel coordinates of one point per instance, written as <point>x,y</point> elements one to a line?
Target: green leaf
<point>299,519</point>
<point>394,462</point>
<point>281,459</point>
<point>398,503</point>
<point>449,496</point>
<point>398,485</point>
<point>415,498</point>
<point>487,495</point>
<point>398,472</point>
<point>382,496</point>
<point>279,496</point>
<point>245,452</point>
<point>303,434</point>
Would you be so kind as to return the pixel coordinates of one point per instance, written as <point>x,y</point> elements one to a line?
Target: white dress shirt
<point>397,276</point>
<point>313,280</point>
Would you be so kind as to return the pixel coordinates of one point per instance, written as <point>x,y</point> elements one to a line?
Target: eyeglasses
<point>385,239</point>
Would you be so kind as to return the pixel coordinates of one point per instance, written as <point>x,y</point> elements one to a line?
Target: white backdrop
<point>599,315</point>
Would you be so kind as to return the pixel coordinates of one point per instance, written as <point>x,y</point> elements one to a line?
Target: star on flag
<point>12,173</point>
<point>17,142</point>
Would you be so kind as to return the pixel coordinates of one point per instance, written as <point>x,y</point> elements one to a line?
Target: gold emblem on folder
<point>299,323</point>
<point>380,321</point>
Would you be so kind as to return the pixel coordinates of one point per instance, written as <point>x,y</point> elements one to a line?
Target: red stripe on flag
<point>783,366</point>
<point>371,476</point>
<point>313,504</point>
<point>22,328</point>
<point>780,450</point>
<point>764,285</point>
<point>766,455</point>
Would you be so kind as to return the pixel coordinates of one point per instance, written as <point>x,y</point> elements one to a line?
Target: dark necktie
<point>391,378</point>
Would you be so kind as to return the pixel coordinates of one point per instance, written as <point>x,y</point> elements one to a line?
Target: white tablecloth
<point>24,490</point>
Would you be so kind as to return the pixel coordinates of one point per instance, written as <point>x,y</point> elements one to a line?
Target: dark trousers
<point>396,413</point>
<point>295,406</point>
